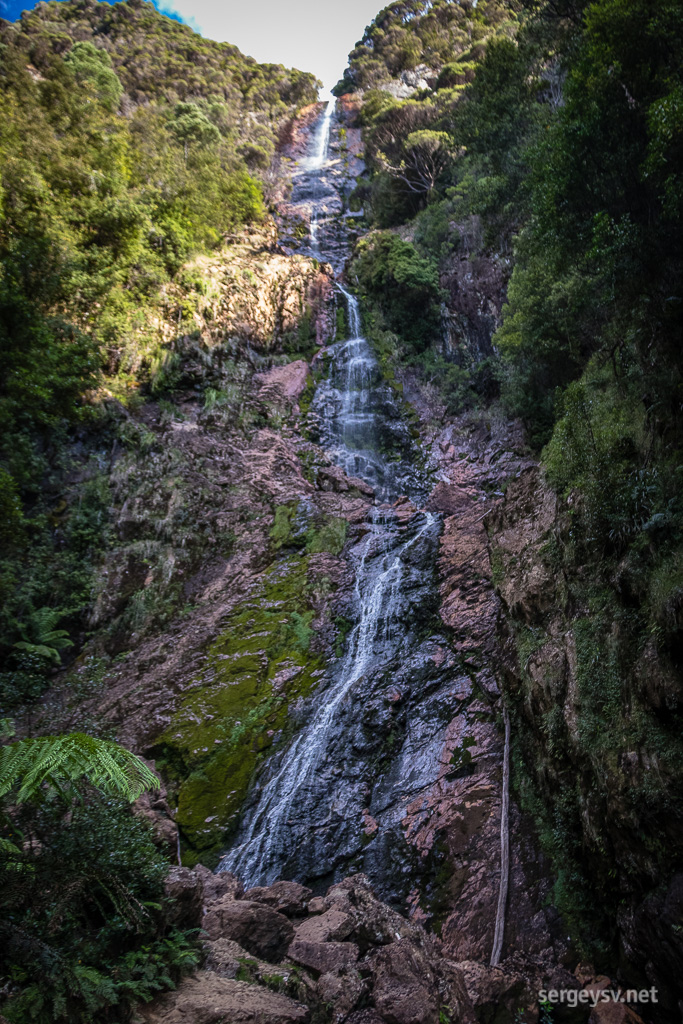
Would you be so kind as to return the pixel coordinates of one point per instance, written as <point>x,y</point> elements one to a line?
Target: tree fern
<point>40,636</point>
<point>61,761</point>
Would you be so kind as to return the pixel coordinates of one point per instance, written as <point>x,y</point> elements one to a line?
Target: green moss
<point>230,718</point>
<point>341,332</point>
<point>306,397</point>
<point>295,526</point>
<point>528,640</point>
<point>344,627</point>
<point>497,571</point>
<point>330,536</point>
<point>281,532</point>
<point>461,760</point>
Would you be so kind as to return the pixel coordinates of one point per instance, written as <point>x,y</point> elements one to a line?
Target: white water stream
<point>300,789</point>
<point>316,163</point>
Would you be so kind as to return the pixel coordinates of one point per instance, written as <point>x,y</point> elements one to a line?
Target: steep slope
<point>519,172</point>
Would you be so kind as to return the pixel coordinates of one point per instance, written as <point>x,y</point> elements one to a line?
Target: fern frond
<point>63,760</point>
<point>13,853</point>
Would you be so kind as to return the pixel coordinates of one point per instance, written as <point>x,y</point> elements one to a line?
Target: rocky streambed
<point>279,955</point>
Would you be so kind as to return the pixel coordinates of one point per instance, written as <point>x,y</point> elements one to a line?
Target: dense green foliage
<point>63,761</point>
<point>403,284</point>
<point>127,143</point>
<point>82,933</point>
<point>439,36</point>
<point>562,163</point>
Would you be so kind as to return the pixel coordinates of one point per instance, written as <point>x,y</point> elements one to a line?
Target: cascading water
<point>315,165</point>
<point>304,816</point>
<point>359,422</point>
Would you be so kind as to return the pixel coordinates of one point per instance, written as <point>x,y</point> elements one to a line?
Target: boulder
<point>404,988</point>
<point>183,891</point>
<point>324,957</point>
<point>332,478</point>
<point>206,998</point>
<point>341,992</point>
<point>453,991</point>
<point>492,989</point>
<point>331,926</point>
<point>448,498</point>
<point>257,928</point>
<point>373,922</point>
<point>614,1013</point>
<point>361,486</point>
<point>216,886</point>
<point>226,957</point>
<point>288,898</point>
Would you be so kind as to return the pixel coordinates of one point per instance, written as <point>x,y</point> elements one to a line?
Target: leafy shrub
<point>82,934</point>
<point>92,65</point>
<point>404,285</point>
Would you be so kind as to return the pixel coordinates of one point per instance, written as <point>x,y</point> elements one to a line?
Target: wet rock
<point>184,892</point>
<point>365,1017</point>
<point>288,898</point>
<point>404,987</point>
<point>332,478</point>
<point>324,957</point>
<point>258,928</point>
<point>207,998</point>
<point>357,484</point>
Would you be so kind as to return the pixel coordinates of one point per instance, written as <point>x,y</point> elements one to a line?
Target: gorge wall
<point>309,555</point>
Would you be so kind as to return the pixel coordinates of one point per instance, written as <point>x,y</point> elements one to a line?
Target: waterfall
<point>265,845</point>
<point>308,799</point>
<point>316,163</point>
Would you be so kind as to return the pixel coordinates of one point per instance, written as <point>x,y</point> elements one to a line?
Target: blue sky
<point>313,35</point>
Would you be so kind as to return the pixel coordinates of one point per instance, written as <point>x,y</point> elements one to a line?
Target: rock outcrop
<point>595,784</point>
<point>348,958</point>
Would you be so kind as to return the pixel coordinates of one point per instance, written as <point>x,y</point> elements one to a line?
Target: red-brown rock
<point>289,898</point>
<point>333,925</point>
<point>216,886</point>
<point>324,957</point>
<point>184,893</point>
<point>341,992</point>
<point>259,929</point>
<point>404,988</point>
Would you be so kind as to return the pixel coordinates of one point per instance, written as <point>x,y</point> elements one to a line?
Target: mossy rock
<point>258,665</point>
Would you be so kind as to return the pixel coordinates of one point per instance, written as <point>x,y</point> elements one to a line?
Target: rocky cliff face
<point>204,618</point>
<point>594,764</point>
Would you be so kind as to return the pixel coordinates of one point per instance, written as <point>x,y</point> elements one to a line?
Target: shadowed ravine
<point>304,818</point>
